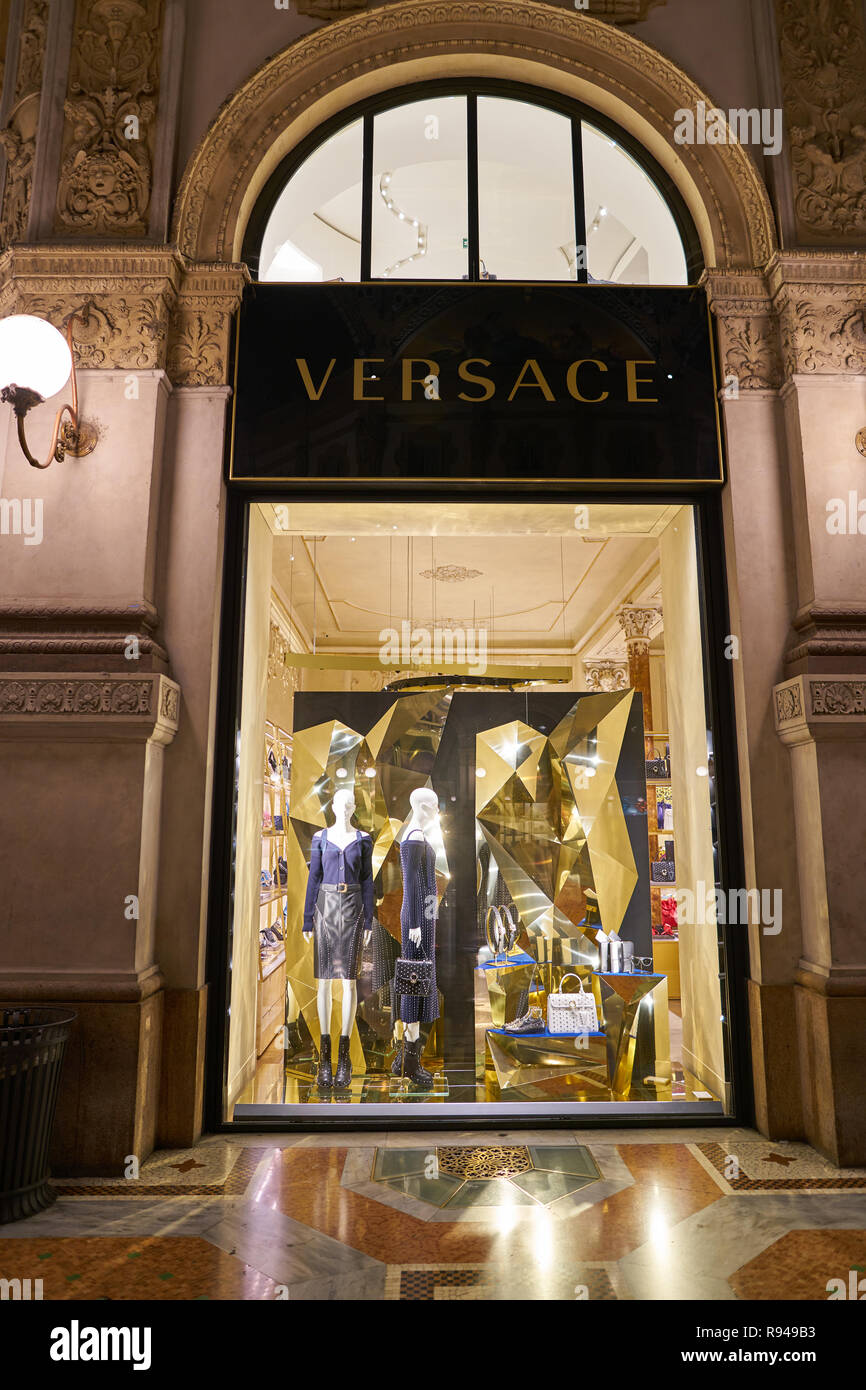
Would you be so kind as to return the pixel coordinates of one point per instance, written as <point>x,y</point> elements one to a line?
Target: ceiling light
<point>370,772</point>
<point>341,772</point>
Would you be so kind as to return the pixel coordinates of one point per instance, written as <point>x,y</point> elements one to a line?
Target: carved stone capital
<point>811,708</point>
<point>198,353</point>
<point>749,347</point>
<point>820,300</point>
<point>605,675</point>
<point>637,623</point>
<point>101,705</point>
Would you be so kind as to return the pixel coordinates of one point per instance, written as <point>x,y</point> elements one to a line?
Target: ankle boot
<point>417,1074</point>
<point>324,1075</point>
<point>343,1078</point>
<point>397,1064</point>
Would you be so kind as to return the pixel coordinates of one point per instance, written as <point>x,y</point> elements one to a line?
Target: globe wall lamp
<point>36,362</point>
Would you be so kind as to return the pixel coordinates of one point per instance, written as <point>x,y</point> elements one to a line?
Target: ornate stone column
<point>820,714</point>
<point>637,624</point>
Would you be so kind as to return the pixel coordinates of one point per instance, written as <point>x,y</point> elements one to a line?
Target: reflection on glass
<point>631,235</point>
<point>420,216</point>
<point>314,231</point>
<point>525,191</point>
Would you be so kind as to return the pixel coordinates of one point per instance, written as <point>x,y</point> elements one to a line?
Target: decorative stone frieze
<point>106,170</point>
<point>114,706</point>
<point>820,300</point>
<point>18,137</point>
<point>144,307</point>
<point>810,707</point>
<point>616,11</point>
<point>822,51</point>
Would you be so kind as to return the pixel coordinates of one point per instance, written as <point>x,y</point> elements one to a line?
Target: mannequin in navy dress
<point>418,928</point>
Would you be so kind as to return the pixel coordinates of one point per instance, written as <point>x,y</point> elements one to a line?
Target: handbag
<point>413,977</point>
<point>572,1013</point>
<point>662,871</point>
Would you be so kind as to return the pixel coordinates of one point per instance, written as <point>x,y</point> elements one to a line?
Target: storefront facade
<point>146,683</point>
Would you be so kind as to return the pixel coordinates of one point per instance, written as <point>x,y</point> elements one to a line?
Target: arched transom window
<point>481,182</point>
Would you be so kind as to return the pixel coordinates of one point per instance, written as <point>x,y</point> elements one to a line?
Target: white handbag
<point>572,1013</point>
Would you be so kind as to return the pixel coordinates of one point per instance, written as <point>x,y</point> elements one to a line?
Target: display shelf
<point>271,990</point>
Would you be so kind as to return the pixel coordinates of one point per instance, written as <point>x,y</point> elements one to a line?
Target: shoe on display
<point>530,1022</point>
<point>324,1074</point>
<point>397,1064</point>
<point>412,1067</point>
<point>343,1076</point>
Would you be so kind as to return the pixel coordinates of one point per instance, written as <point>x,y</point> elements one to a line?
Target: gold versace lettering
<point>360,380</point>
<point>633,381</point>
<point>571,381</point>
<point>475,380</point>
<point>539,384</point>
<point>313,393</point>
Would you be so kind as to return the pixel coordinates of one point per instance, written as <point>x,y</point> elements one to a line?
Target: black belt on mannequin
<point>339,887</point>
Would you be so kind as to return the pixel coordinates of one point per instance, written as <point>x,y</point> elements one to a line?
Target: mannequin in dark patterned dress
<point>418,929</point>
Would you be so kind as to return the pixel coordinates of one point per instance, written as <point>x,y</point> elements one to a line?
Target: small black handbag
<point>413,977</point>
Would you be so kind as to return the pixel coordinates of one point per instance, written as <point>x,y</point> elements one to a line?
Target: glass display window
<point>484,784</point>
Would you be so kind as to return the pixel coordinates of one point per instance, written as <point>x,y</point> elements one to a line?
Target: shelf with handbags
<point>273,896</point>
<point>575,1033</point>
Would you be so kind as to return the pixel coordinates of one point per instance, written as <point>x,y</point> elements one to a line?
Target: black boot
<point>412,1066</point>
<point>324,1075</point>
<point>397,1064</point>
<point>293,1040</point>
<point>343,1078</point>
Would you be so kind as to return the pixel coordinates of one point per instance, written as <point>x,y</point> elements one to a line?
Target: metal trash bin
<point>32,1047</point>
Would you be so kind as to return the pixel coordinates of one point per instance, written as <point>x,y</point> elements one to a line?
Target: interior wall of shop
<point>141,521</point>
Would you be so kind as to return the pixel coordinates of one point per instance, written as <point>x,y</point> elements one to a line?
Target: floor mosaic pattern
<point>717,1214</point>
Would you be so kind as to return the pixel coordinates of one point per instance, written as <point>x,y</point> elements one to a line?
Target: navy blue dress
<point>418,861</point>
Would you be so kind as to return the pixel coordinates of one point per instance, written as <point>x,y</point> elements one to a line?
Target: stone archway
<point>336,66</point>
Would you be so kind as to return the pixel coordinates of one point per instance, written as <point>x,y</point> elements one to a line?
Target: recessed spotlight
<point>480,772</point>
<point>341,772</point>
<point>701,771</point>
<point>370,772</point>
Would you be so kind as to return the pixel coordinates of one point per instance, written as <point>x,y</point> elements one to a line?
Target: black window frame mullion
<point>474,259</point>
<point>581,272</point>
<point>367,199</point>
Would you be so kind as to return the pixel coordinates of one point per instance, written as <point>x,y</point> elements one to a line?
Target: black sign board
<point>485,382</point>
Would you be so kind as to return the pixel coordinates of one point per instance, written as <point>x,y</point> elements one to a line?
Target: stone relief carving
<point>18,138</point>
<point>838,697</point>
<point>106,169</point>
<point>788,705</point>
<point>288,677</point>
<point>823,57</point>
<point>76,697</point>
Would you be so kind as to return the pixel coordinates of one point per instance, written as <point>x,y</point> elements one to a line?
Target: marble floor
<point>713,1214</point>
